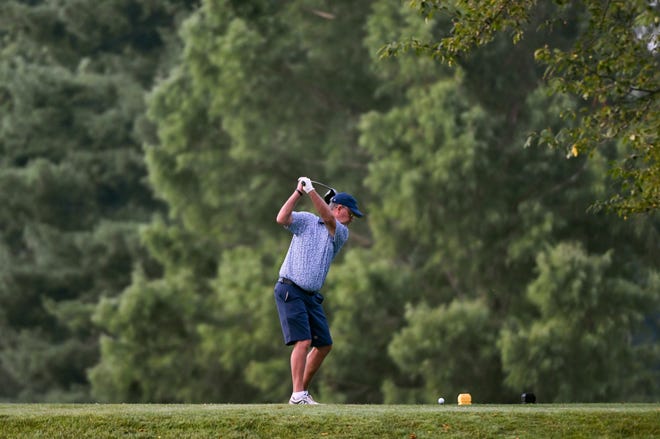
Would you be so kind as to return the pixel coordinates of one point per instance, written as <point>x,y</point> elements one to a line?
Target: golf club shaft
<point>321,184</point>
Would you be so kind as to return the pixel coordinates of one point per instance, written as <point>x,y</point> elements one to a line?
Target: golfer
<point>315,243</point>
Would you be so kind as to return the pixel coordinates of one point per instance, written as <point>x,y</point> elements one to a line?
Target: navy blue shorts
<point>301,315</point>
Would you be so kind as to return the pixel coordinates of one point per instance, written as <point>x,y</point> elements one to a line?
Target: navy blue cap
<point>349,201</point>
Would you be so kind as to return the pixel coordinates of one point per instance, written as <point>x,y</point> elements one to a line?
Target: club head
<point>328,195</point>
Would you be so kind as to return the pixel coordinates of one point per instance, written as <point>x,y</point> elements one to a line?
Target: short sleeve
<point>300,221</point>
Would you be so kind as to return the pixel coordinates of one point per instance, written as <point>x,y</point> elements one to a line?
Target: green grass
<point>329,421</point>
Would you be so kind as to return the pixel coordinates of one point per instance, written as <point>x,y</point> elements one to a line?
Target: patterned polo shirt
<point>311,251</point>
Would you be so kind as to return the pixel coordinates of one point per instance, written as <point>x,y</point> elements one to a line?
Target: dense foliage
<point>612,65</point>
<point>145,157</point>
<point>73,76</point>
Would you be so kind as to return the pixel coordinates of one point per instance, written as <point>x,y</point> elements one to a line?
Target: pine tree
<point>72,79</point>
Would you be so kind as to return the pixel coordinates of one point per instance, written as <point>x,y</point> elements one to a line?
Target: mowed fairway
<point>329,421</point>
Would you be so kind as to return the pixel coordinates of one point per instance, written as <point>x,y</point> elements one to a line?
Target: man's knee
<point>303,344</point>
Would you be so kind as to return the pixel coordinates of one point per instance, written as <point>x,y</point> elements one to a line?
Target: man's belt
<point>286,281</point>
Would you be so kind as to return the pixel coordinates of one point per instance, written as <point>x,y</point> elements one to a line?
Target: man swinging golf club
<point>315,243</point>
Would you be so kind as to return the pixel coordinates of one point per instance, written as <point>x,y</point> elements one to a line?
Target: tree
<point>452,349</point>
<point>72,175</point>
<point>580,346</point>
<point>612,67</point>
<point>466,209</point>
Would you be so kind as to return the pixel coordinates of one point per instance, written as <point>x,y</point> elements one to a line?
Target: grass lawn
<point>329,421</point>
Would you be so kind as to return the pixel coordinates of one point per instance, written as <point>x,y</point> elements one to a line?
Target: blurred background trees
<point>73,76</point>
<point>147,147</point>
<point>609,63</point>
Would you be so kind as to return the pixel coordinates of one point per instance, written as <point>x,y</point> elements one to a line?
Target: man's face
<point>343,214</point>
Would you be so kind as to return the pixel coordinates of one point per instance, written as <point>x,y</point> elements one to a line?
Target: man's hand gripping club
<point>319,204</point>
<point>306,184</point>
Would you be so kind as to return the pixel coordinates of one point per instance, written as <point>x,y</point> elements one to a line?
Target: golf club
<point>328,195</point>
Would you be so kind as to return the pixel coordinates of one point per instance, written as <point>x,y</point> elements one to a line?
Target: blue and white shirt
<point>312,249</point>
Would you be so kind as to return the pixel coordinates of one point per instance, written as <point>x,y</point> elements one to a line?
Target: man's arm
<point>284,216</point>
<point>320,205</point>
<point>324,212</point>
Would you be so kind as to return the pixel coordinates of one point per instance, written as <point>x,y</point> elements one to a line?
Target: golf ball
<point>441,400</point>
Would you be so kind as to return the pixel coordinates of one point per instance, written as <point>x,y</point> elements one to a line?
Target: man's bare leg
<point>299,364</point>
<point>313,363</point>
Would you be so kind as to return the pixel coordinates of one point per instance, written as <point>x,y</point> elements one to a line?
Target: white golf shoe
<point>305,399</point>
